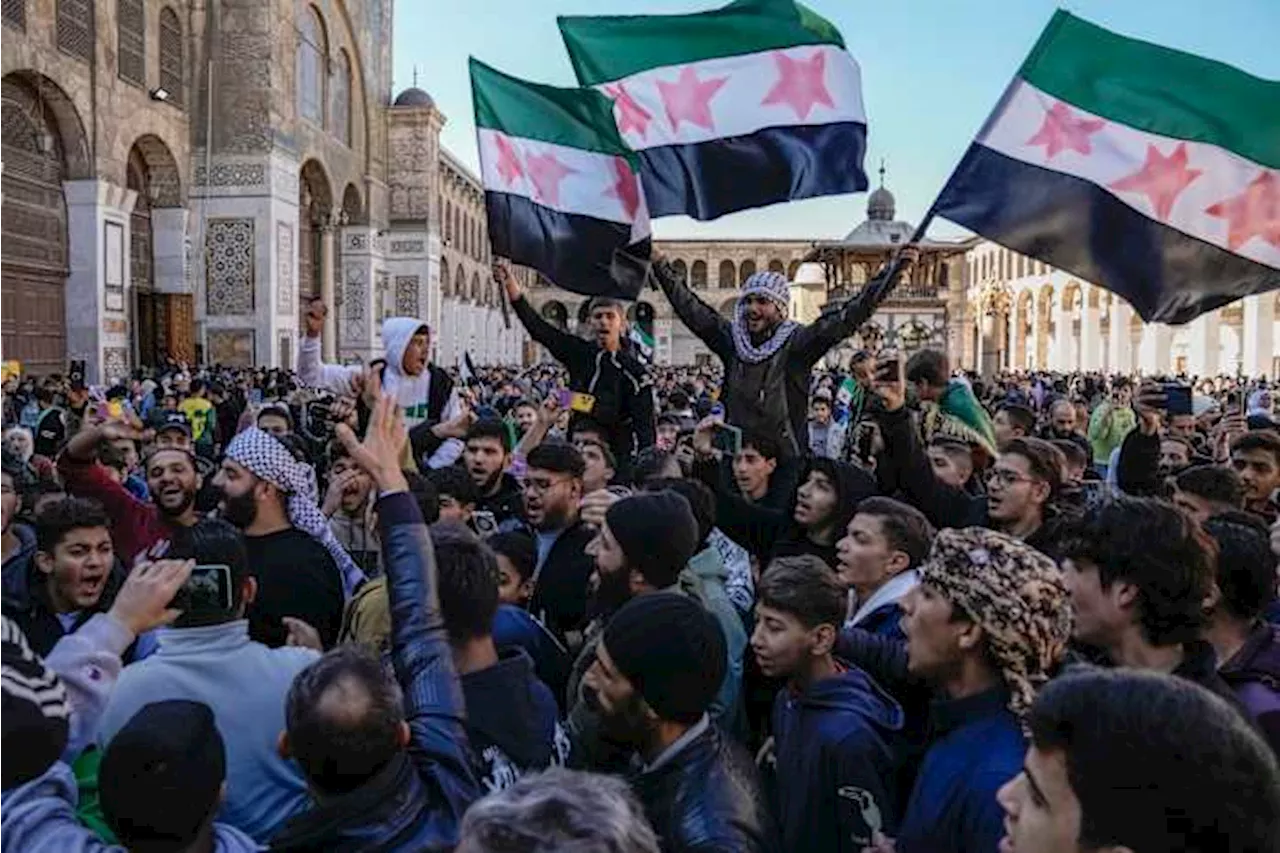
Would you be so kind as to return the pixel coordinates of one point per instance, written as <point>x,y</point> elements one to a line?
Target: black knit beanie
<point>36,713</point>
<point>671,650</point>
<point>657,532</point>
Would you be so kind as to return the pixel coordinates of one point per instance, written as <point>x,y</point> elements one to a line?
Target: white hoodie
<point>412,392</point>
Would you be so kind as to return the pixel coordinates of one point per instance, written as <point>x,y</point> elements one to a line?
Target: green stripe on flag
<point>574,118</point>
<point>1157,89</point>
<point>607,48</point>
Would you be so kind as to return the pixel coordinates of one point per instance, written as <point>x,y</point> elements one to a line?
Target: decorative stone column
<point>359,308</point>
<point>1153,350</point>
<point>1119,345</point>
<point>1090,331</point>
<point>329,337</point>
<point>98,256</point>
<point>1257,339</point>
<point>1062,359</point>
<point>1205,339</point>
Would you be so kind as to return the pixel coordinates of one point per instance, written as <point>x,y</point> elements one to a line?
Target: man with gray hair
<point>559,810</point>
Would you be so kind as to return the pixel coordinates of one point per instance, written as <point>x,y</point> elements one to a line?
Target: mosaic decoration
<point>357,242</point>
<point>231,347</point>
<point>355,295</point>
<point>284,268</point>
<point>115,363</point>
<point>407,295</point>
<point>231,175</point>
<point>407,247</point>
<point>229,267</point>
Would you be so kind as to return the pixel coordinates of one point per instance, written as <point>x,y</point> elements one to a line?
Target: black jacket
<point>768,533</point>
<point>512,722</point>
<point>417,800</point>
<point>770,397</point>
<point>560,592</point>
<point>620,383</point>
<point>942,504</point>
<point>507,504</point>
<point>707,798</point>
<point>26,598</point>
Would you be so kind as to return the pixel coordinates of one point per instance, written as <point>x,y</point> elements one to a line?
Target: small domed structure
<point>809,275</point>
<point>881,205</point>
<point>414,97</point>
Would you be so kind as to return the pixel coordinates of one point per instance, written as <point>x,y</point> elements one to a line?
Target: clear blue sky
<point>931,71</point>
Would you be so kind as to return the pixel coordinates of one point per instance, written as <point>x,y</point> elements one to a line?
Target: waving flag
<point>560,187</point>
<point>751,104</point>
<point>1150,172</point>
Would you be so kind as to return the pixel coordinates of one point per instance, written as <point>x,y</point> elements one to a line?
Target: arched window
<point>747,270</point>
<point>459,283</point>
<point>75,28</point>
<point>792,269</point>
<point>678,267</point>
<point>475,288</point>
<point>448,222</point>
<point>172,65</point>
<point>727,278</point>
<point>698,274</point>
<point>309,66</point>
<point>775,265</point>
<point>340,104</point>
<point>131,41</point>
<point>457,225</point>
<point>445,281</point>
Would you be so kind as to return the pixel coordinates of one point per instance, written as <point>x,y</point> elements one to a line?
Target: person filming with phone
<point>612,386</point>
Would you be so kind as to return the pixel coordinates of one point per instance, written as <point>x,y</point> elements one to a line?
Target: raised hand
<point>379,453</point>
<point>143,600</point>
<point>502,275</point>
<point>301,634</point>
<point>890,382</point>
<point>314,318</point>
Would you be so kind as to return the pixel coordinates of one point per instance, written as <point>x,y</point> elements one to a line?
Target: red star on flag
<point>1253,213</point>
<point>631,116</point>
<point>689,99</point>
<point>1063,130</point>
<point>509,167</point>
<point>1161,179</point>
<point>801,83</point>
<point>547,172</point>
<point>626,187</point>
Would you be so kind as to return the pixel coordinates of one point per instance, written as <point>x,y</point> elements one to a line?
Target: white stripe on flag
<point>737,95</point>
<point>569,180</point>
<point>1118,159</point>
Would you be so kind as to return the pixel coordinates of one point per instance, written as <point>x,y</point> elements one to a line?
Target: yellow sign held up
<point>11,369</point>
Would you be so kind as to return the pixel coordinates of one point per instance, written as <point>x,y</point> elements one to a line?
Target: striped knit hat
<point>36,715</point>
<point>1015,593</point>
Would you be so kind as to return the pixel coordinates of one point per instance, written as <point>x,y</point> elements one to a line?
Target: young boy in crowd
<point>517,557</point>
<point>835,730</point>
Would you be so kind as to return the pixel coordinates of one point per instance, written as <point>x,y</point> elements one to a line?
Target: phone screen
<point>485,523</point>
<point>727,439</point>
<point>208,590</point>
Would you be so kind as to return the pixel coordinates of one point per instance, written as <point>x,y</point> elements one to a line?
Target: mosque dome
<point>414,97</point>
<point>809,274</point>
<point>881,205</point>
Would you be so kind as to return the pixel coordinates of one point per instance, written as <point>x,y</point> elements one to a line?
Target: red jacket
<point>135,525</point>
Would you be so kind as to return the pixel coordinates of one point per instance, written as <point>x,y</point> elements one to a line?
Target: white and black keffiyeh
<point>772,286</point>
<point>270,460</point>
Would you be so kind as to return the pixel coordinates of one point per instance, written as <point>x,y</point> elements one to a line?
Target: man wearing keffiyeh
<point>767,356</point>
<point>301,568</point>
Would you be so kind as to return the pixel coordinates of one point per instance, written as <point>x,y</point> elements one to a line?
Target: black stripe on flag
<point>1166,275</point>
<point>706,180</point>
<point>578,253</point>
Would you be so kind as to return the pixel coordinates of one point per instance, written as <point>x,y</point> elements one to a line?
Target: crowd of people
<point>772,604</point>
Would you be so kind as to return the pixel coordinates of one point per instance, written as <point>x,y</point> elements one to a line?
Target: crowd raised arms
<point>398,607</point>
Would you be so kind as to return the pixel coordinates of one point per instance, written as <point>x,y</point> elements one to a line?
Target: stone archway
<point>353,212</point>
<point>315,206</point>
<point>1023,312</point>
<point>163,313</point>
<point>44,144</point>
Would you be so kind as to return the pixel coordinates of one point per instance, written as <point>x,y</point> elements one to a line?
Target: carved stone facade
<point>311,181</point>
<point>1016,313</point>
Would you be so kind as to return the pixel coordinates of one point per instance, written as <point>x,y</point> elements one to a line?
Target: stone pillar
<point>1153,350</point>
<point>1090,333</point>
<point>1119,346</point>
<point>982,326</point>
<point>1062,359</point>
<point>1032,352</point>
<point>1257,334</point>
<point>1011,339</point>
<point>98,257</point>
<point>1205,337</point>
<point>329,337</point>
